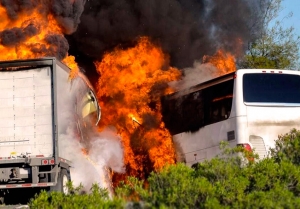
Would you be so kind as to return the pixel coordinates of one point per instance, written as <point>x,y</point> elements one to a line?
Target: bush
<point>287,147</point>
<point>219,183</point>
<point>97,198</point>
<point>223,183</point>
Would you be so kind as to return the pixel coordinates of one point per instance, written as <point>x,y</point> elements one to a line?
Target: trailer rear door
<point>26,112</point>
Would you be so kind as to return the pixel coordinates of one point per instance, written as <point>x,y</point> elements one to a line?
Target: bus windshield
<point>271,88</point>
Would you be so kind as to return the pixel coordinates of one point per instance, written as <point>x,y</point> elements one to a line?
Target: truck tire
<point>62,179</point>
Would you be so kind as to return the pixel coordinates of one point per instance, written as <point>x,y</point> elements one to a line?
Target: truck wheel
<point>62,180</point>
<point>65,178</point>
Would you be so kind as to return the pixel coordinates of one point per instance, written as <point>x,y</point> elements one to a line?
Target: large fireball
<point>34,29</point>
<point>130,86</point>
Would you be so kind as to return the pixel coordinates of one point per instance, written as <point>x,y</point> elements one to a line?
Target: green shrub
<point>287,147</point>
<point>97,198</point>
<point>223,182</point>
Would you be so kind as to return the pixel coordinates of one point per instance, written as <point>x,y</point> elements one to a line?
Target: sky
<point>294,21</point>
<point>294,7</point>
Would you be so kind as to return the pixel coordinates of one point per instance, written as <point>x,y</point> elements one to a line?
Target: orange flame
<point>222,98</point>
<point>129,89</point>
<point>84,151</point>
<point>30,32</point>
<point>224,61</point>
<point>132,81</point>
<point>71,63</point>
<point>43,24</point>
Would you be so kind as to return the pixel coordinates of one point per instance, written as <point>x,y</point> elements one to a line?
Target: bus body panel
<point>255,123</point>
<point>203,144</point>
<point>264,122</point>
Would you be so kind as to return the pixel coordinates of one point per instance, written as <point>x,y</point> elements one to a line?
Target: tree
<point>274,46</point>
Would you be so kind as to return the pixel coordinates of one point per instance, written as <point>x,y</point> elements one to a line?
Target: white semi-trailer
<point>39,104</point>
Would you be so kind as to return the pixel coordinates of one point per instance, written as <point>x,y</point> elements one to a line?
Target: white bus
<point>249,107</point>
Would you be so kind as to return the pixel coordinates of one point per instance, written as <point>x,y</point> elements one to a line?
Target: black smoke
<point>56,46</point>
<point>15,7</point>
<point>14,36</point>
<point>186,29</point>
<point>66,12</point>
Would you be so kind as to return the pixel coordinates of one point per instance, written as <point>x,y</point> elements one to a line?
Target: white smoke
<point>194,75</point>
<point>98,152</point>
<point>105,153</point>
<point>106,148</point>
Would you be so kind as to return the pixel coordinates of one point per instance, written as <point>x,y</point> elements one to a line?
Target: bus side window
<point>223,112</point>
<point>184,114</point>
<point>218,102</point>
<point>190,112</point>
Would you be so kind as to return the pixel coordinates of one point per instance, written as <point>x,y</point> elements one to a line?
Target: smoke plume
<point>87,169</point>
<point>67,13</point>
<point>186,29</point>
<point>90,151</point>
<point>195,75</point>
<point>17,27</point>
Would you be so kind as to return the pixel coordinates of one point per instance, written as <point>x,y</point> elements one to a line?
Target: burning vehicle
<point>130,66</point>
<point>248,108</point>
<point>39,104</point>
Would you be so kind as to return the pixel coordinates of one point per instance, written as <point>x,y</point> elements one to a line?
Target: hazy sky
<point>291,6</point>
<point>294,7</point>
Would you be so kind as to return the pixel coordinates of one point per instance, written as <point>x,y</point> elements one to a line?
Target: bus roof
<point>226,77</point>
<point>296,72</point>
<point>203,85</point>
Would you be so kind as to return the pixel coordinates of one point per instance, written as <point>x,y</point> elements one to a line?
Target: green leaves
<point>163,191</point>
<point>223,182</point>
<point>97,198</point>
<point>227,182</point>
<point>287,148</point>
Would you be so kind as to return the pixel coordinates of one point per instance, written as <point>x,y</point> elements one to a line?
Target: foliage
<point>222,183</point>
<point>287,148</point>
<point>227,181</point>
<point>275,46</point>
<point>97,198</point>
